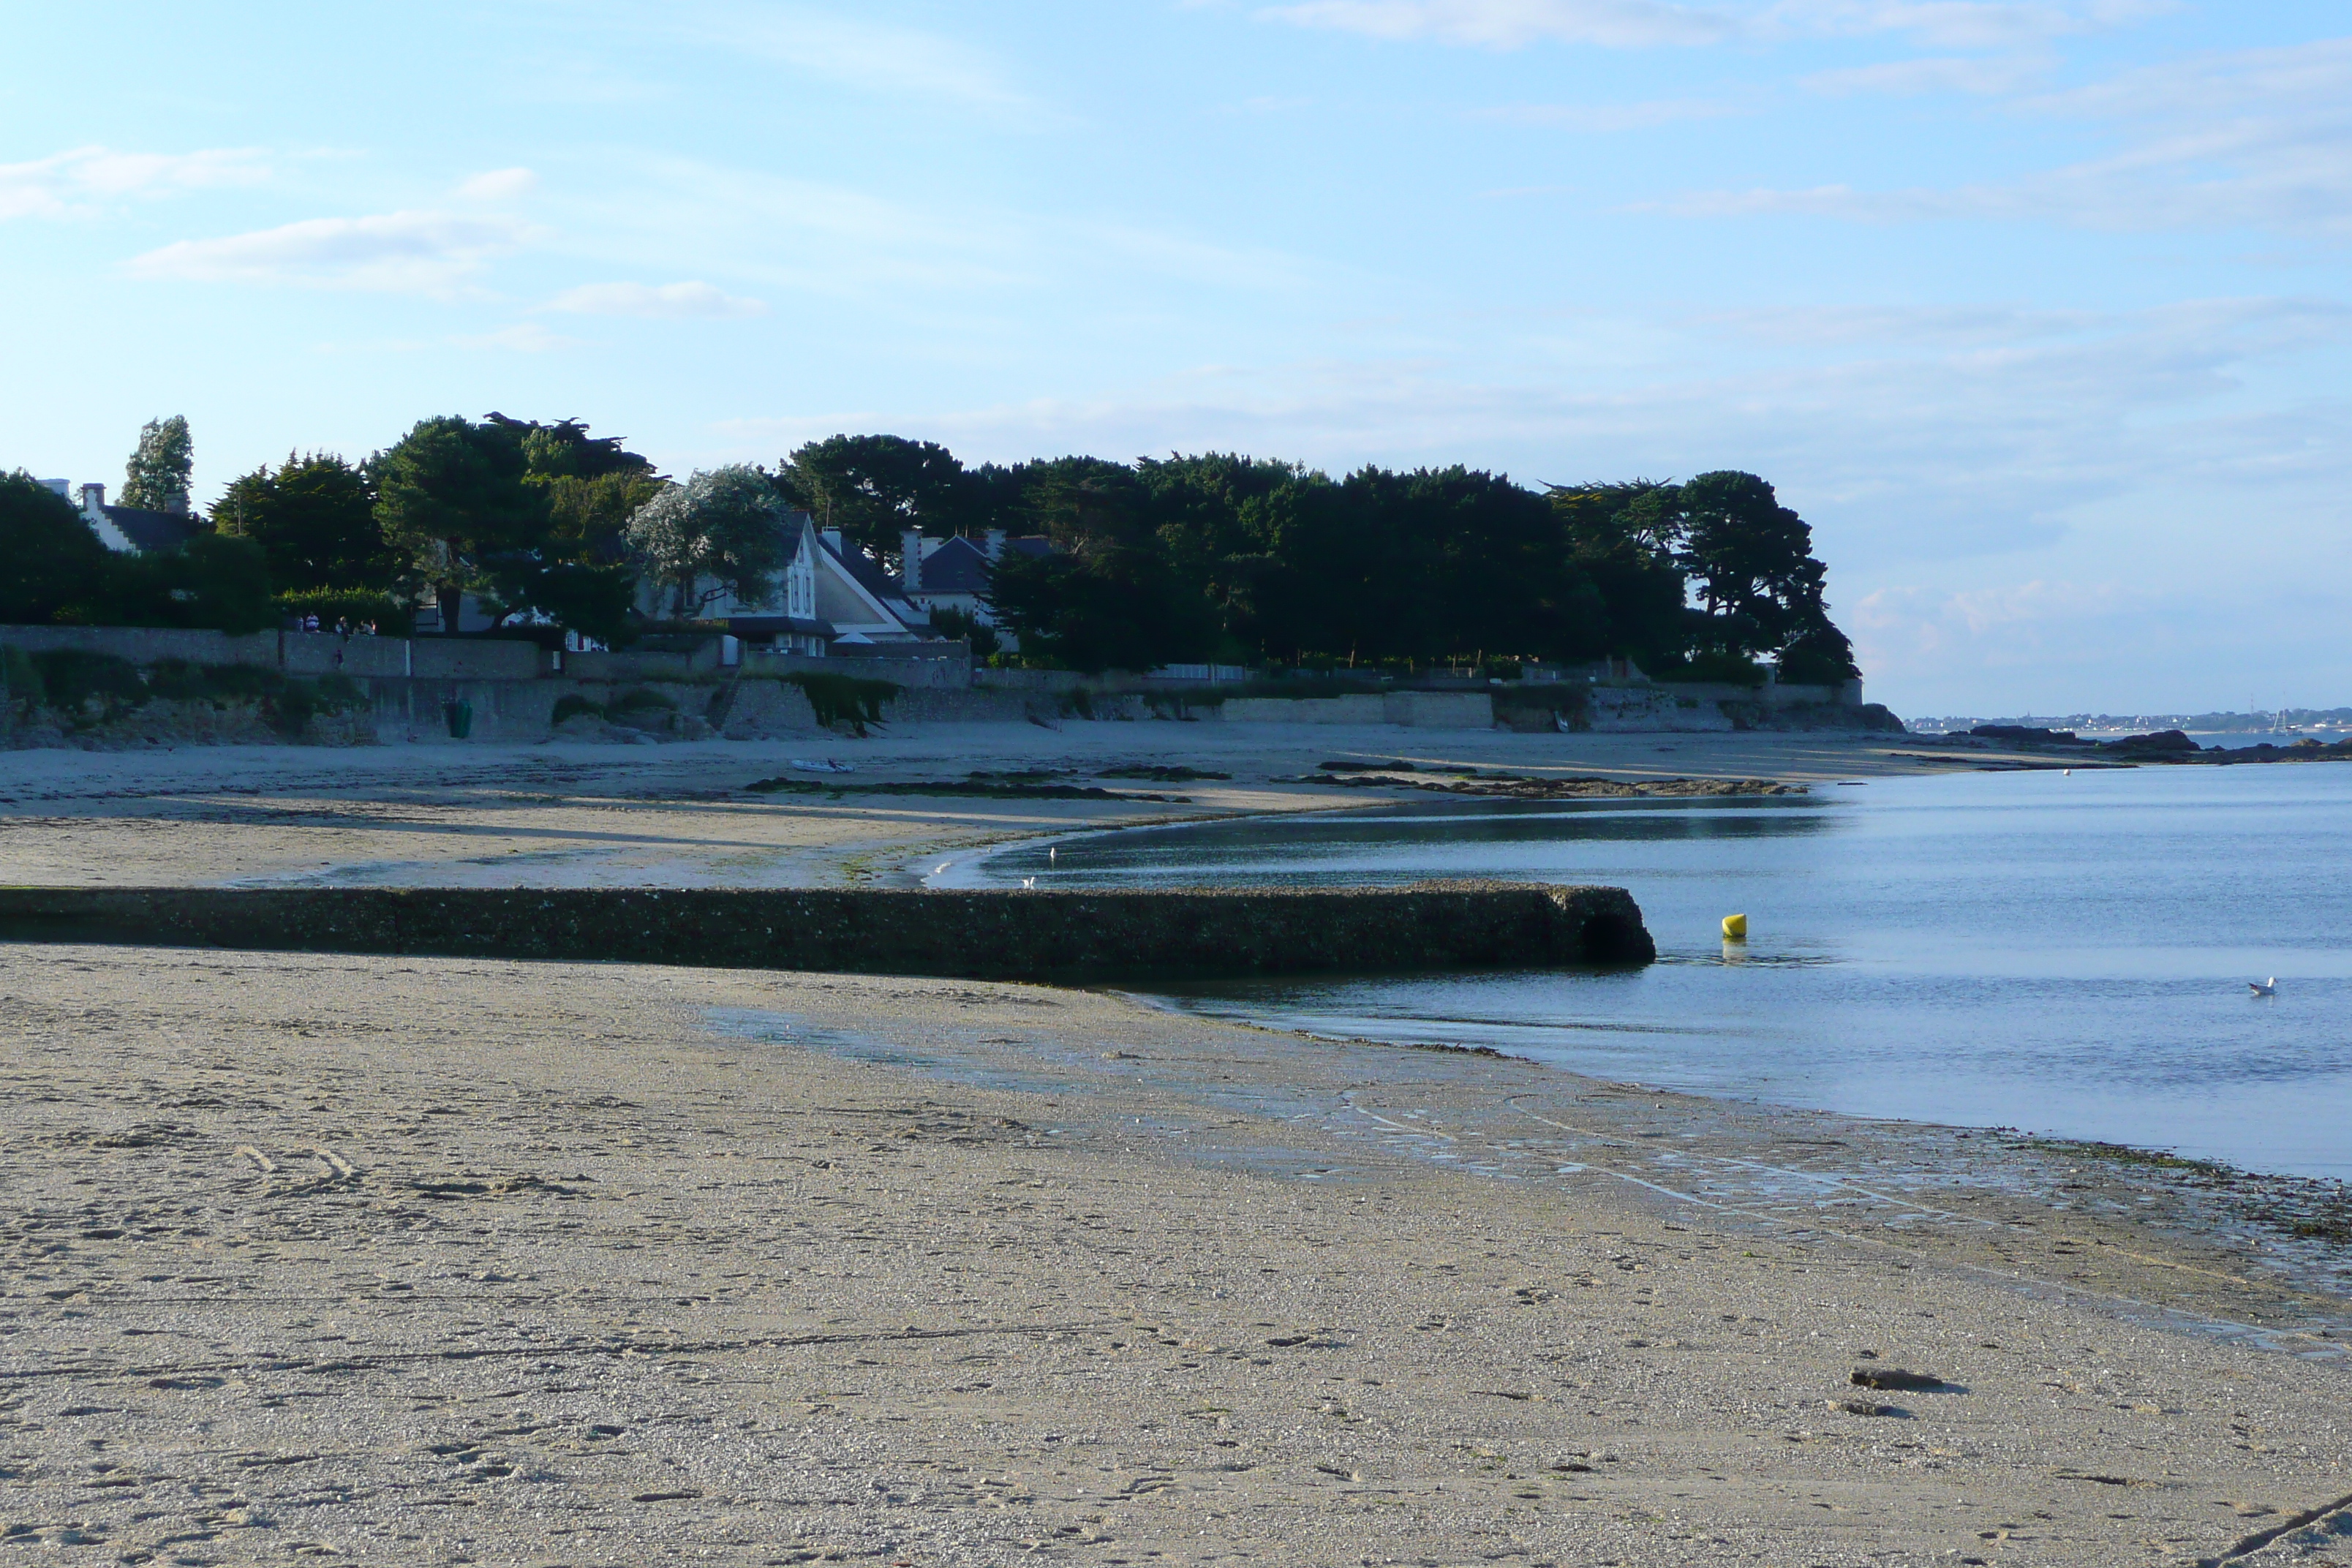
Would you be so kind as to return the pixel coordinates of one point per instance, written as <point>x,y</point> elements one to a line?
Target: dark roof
<point>874,580</point>
<point>768,626</point>
<point>151,531</point>
<point>960,565</point>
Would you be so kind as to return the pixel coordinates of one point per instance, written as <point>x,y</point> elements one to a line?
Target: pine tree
<point>157,476</point>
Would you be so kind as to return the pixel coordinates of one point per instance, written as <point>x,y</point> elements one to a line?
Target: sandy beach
<point>409,1260</point>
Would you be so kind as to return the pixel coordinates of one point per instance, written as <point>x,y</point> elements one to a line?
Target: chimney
<point>992,543</point>
<point>93,501</point>
<point>832,537</point>
<point>62,488</point>
<point>910,560</point>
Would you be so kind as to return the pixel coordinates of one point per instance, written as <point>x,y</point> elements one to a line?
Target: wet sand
<point>407,1261</point>
<point>576,815</point>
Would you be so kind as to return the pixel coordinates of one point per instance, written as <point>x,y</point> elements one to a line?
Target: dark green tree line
<point>58,571</point>
<point>1211,556</point>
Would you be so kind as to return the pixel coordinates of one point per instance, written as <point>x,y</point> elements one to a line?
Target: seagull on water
<point>2263,987</point>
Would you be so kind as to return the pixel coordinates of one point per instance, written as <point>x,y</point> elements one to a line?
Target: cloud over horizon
<point>429,253</point>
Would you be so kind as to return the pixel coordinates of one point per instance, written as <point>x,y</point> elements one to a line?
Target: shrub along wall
<point>1072,936</point>
<point>77,691</point>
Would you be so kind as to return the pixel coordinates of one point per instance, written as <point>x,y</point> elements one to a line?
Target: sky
<point>2037,309</point>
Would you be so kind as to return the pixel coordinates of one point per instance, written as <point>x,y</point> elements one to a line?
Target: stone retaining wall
<point>1046,935</point>
<point>297,653</point>
<point>950,672</point>
<point>147,645</point>
<point>1414,709</point>
<point>329,653</point>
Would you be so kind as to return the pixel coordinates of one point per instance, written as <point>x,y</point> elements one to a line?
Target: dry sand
<point>412,1261</point>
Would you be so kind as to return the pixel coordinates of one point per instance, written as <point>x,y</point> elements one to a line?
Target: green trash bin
<point>460,715</point>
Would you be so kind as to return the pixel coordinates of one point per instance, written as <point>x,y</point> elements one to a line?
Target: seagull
<point>1028,882</point>
<point>2263,987</point>
<point>1052,853</point>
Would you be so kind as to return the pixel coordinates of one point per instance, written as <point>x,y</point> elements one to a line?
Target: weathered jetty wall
<point>1009,935</point>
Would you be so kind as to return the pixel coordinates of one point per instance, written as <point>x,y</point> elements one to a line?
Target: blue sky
<point>2037,309</point>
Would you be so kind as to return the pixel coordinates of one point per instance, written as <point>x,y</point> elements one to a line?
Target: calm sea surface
<point>2063,955</point>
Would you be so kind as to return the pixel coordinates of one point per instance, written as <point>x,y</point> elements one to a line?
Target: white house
<point>129,530</point>
<point>952,573</point>
<point>828,597</point>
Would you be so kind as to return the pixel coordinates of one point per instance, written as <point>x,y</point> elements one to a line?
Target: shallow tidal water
<point>2063,955</point>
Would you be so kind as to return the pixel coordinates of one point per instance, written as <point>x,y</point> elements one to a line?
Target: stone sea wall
<point>1007,935</point>
<point>403,690</point>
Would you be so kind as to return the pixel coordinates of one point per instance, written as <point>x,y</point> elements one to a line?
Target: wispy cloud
<point>1647,24</point>
<point>77,181</point>
<point>1513,24</point>
<point>1919,327</point>
<point>1910,633</point>
<point>1988,77</point>
<point>665,301</point>
<point>877,57</point>
<point>498,186</point>
<point>1608,117</point>
<point>782,234</point>
<point>523,337</point>
<point>2255,138</point>
<point>430,253</point>
<point>1964,23</point>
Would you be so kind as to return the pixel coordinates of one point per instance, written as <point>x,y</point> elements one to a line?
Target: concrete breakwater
<point>1163,933</point>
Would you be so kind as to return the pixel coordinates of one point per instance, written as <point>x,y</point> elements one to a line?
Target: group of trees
<point>530,517</point>
<point>56,570</point>
<point>535,520</point>
<point>1225,557</point>
<point>1215,557</point>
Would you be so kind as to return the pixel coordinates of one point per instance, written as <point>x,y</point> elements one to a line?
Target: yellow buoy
<point>1735,927</point>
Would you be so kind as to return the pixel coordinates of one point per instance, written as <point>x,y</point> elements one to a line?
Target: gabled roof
<point>152,531</point>
<point>956,566</point>
<point>959,565</point>
<point>868,574</point>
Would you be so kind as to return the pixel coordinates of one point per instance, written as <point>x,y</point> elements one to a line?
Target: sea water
<point>2063,955</point>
